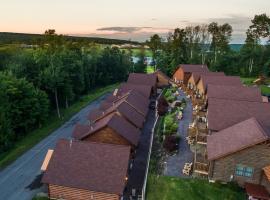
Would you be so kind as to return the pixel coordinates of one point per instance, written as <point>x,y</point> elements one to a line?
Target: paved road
<point>18,179</point>
<point>176,162</point>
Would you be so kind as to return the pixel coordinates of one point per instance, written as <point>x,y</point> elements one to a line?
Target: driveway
<point>174,164</point>
<point>20,180</point>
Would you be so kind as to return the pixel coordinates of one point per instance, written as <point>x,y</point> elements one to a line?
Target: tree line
<point>36,82</point>
<point>26,38</point>
<point>209,44</point>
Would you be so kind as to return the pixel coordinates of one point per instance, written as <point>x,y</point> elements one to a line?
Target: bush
<point>162,106</point>
<point>170,123</point>
<point>171,143</point>
<point>174,89</point>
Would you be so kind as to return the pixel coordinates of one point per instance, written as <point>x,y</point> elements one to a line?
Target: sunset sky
<point>127,19</point>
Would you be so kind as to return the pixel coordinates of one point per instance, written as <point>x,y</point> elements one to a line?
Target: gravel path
<point>175,163</point>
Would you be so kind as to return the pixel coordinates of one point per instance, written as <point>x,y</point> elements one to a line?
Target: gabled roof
<point>225,113</point>
<point>89,166</point>
<point>159,72</point>
<point>220,80</point>
<point>123,108</point>
<point>80,129</point>
<point>134,98</point>
<point>267,172</point>
<point>197,75</point>
<point>235,138</point>
<point>193,68</point>
<point>120,125</point>
<point>240,93</point>
<point>142,79</point>
<point>144,90</point>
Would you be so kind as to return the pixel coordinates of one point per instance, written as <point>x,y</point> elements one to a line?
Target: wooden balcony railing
<point>201,168</point>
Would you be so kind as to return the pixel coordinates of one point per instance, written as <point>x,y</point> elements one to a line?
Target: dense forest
<point>38,81</point>
<point>209,44</point>
<point>26,38</point>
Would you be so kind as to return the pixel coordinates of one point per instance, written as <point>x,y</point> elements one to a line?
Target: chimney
<point>115,92</point>
<point>70,143</point>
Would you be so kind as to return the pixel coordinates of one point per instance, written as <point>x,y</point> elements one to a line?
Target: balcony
<point>201,165</point>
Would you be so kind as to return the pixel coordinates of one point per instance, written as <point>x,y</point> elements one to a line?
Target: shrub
<point>171,143</point>
<point>162,106</point>
<point>171,125</point>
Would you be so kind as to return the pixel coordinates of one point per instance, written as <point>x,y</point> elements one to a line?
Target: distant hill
<point>26,38</point>
<point>236,47</point>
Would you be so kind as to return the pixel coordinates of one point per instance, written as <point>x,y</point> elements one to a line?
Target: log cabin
<point>240,153</point>
<point>184,71</point>
<point>80,170</point>
<point>163,79</point>
<point>195,77</point>
<point>144,79</point>
<point>145,90</point>
<point>123,109</point>
<point>112,129</point>
<point>134,98</point>
<point>216,80</point>
<point>238,93</point>
<point>223,113</point>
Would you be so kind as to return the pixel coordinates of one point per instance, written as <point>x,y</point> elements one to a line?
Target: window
<point>244,171</point>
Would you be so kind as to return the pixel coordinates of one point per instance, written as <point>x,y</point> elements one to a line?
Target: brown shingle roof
<point>123,108</point>
<point>133,97</point>
<point>142,79</point>
<point>80,129</point>
<point>267,172</point>
<point>240,93</point>
<point>225,113</point>
<point>193,68</point>
<point>235,138</point>
<point>90,166</point>
<point>144,90</point>
<point>120,125</point>
<point>197,75</point>
<point>94,114</point>
<point>220,80</point>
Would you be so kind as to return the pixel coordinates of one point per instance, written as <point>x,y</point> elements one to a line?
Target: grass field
<point>53,123</point>
<point>150,69</point>
<point>169,188</point>
<point>249,81</point>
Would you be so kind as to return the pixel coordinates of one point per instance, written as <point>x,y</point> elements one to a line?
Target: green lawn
<point>249,81</point>
<point>169,188</point>
<point>40,198</point>
<point>53,123</point>
<point>265,90</point>
<point>150,69</point>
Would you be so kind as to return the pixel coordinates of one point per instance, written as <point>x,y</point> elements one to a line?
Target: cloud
<point>121,29</point>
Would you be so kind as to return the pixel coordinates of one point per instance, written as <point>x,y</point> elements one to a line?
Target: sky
<point>126,19</point>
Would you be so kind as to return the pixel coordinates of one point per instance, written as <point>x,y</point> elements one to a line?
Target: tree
<point>22,106</point>
<point>155,44</point>
<point>253,50</point>
<point>221,35</point>
<point>140,66</point>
